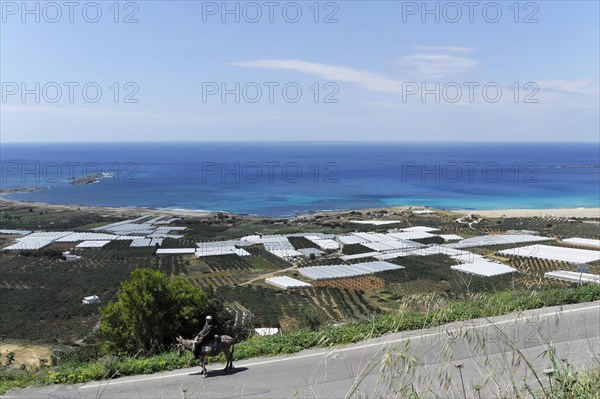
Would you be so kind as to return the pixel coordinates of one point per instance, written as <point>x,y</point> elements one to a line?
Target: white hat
<point>208,317</point>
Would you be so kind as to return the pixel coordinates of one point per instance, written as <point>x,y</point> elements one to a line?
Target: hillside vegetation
<point>42,293</point>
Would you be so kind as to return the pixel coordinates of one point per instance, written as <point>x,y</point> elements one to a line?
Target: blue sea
<point>286,178</point>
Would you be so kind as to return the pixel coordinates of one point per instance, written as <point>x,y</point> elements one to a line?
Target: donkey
<point>226,346</point>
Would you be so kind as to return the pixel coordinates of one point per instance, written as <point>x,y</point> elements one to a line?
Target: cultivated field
<point>41,293</point>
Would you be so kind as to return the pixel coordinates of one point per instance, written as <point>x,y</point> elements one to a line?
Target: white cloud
<point>437,65</point>
<point>364,79</point>
<point>452,49</point>
<point>553,94</point>
<point>426,66</point>
<point>570,86</point>
<point>78,112</point>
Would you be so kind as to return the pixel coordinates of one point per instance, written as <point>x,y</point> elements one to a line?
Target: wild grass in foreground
<point>437,312</point>
<point>508,371</point>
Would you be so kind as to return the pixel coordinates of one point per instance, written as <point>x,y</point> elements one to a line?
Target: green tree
<point>311,319</point>
<point>152,309</point>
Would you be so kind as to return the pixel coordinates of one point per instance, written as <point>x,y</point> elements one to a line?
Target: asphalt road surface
<point>495,356</point>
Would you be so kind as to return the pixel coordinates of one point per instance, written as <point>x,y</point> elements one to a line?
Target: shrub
<point>152,309</point>
<point>311,319</point>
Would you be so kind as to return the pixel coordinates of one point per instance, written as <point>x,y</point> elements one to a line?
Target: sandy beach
<point>495,213</point>
<point>564,212</point>
<point>118,211</point>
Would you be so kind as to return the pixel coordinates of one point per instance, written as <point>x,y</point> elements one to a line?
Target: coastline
<point>557,212</point>
<point>118,211</point>
<point>495,213</point>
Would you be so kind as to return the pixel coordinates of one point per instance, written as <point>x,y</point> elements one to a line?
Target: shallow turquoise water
<point>278,179</point>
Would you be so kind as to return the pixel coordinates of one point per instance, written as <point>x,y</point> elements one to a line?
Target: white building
<point>264,331</point>
<point>69,256</point>
<point>90,300</point>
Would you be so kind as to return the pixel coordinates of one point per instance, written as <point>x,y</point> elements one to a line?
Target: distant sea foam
<point>280,179</point>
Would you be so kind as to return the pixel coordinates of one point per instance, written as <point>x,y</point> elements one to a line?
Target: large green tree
<point>152,309</point>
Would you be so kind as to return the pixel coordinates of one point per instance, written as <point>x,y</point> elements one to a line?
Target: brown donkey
<point>226,346</point>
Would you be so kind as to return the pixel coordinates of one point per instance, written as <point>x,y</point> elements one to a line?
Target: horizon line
<point>308,141</point>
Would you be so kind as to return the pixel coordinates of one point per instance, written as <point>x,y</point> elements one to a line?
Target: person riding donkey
<point>206,336</point>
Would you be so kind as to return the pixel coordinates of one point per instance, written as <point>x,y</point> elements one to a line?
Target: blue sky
<point>361,78</point>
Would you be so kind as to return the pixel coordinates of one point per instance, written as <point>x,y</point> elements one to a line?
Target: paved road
<point>496,354</point>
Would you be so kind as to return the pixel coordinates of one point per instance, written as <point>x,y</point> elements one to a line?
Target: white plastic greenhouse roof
<point>166,229</point>
<point>285,253</point>
<point>583,241</point>
<point>156,219</point>
<point>468,257</point>
<point>378,246</point>
<point>215,245</point>
<point>154,226</point>
<point>571,255</point>
<point>309,251</point>
<point>92,244</point>
<point>31,243</point>
<point>573,276</point>
<point>36,240</point>
<point>393,240</point>
<point>265,238</point>
<point>484,268</point>
<point>216,248</point>
<point>54,235</point>
<point>351,239</point>
<point>278,245</point>
<point>434,249</point>
<point>411,235</point>
<point>375,222</point>
<point>498,240</point>
<point>420,229</point>
<point>450,237</point>
<point>111,225</point>
<point>19,232</point>
<point>341,271</point>
<point>142,242</point>
<point>167,251</point>
<point>221,251</point>
<point>323,243</point>
<point>372,237</point>
<point>122,238</point>
<point>132,228</point>
<point>363,255</point>
<point>392,255</point>
<point>167,221</point>
<point>74,237</point>
<point>286,282</point>
<point>314,234</point>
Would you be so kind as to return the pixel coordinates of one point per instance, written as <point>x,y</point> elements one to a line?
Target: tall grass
<point>445,371</point>
<point>436,312</point>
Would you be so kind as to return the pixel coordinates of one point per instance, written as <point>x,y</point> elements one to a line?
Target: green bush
<point>152,309</point>
<point>68,372</point>
<point>20,378</point>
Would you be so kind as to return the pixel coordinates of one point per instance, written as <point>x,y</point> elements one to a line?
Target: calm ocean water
<point>278,179</point>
